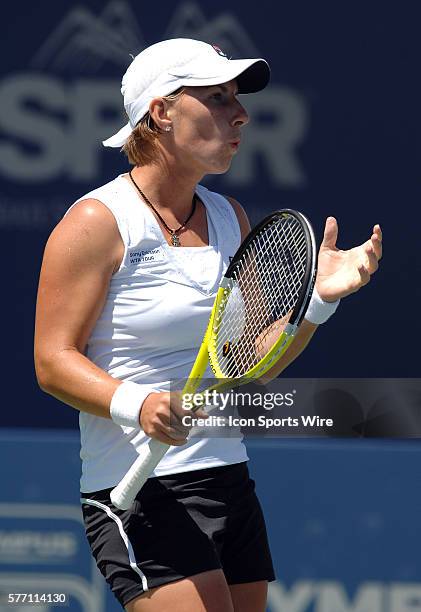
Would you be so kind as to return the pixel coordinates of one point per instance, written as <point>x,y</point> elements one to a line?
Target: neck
<point>170,192</point>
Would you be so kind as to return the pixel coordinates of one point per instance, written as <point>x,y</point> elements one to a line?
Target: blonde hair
<point>141,146</point>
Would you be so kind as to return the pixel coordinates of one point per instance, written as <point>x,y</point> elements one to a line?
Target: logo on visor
<point>219,51</point>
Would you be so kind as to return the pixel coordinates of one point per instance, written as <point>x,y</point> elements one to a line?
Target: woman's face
<point>207,122</point>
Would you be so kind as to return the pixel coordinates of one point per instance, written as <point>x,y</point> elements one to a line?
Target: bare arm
<point>80,257</point>
<point>79,260</point>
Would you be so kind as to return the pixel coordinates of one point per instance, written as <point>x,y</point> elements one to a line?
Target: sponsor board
<point>56,111</point>
<point>43,557</point>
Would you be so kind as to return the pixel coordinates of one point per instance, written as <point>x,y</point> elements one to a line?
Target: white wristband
<point>318,310</point>
<point>127,401</point>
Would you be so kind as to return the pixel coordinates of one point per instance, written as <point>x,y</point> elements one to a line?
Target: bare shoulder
<point>88,231</point>
<point>90,217</point>
<point>241,216</point>
<point>78,264</point>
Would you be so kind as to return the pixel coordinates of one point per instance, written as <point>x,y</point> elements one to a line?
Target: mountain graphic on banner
<point>225,30</point>
<point>83,42</point>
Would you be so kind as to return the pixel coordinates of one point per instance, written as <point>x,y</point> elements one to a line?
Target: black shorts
<point>180,525</point>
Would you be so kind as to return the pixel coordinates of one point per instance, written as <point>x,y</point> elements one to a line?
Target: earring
<point>168,128</point>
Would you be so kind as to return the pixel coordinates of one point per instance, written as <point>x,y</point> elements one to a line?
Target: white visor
<point>164,67</point>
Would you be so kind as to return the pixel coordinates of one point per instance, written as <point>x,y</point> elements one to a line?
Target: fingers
<point>373,250</point>
<point>169,436</point>
<point>378,231</point>
<point>372,262</point>
<point>164,418</point>
<point>376,240</point>
<point>181,409</point>
<point>364,276</point>
<point>330,235</point>
<point>345,272</point>
<point>158,422</point>
<point>173,433</point>
<point>176,424</point>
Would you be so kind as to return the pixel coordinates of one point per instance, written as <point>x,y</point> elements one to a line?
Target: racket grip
<point>124,494</point>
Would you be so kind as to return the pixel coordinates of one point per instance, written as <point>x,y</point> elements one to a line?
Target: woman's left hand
<point>340,273</point>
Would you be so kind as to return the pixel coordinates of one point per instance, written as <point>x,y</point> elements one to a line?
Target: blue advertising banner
<point>343,524</point>
<point>334,133</point>
<point>43,549</point>
<point>342,517</point>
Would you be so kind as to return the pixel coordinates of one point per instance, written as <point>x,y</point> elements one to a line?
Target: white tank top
<point>151,327</point>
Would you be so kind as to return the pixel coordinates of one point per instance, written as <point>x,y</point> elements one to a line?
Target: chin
<point>220,168</point>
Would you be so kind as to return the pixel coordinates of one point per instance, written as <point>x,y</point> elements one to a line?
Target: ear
<point>158,110</point>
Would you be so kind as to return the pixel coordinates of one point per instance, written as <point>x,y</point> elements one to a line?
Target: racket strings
<point>261,296</point>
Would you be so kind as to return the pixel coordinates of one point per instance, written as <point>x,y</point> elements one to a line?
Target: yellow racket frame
<point>207,352</point>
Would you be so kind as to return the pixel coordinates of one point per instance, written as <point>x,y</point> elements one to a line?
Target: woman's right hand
<point>162,415</point>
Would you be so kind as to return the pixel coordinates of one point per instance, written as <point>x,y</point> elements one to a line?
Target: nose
<point>240,116</point>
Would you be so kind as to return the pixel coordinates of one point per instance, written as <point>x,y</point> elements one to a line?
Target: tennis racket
<point>260,303</point>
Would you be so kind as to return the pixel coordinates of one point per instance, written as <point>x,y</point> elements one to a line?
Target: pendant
<point>175,241</point>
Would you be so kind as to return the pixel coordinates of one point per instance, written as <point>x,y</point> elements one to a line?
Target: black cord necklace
<point>175,241</point>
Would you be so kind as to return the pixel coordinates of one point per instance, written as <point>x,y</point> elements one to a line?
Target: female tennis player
<point>127,284</point>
